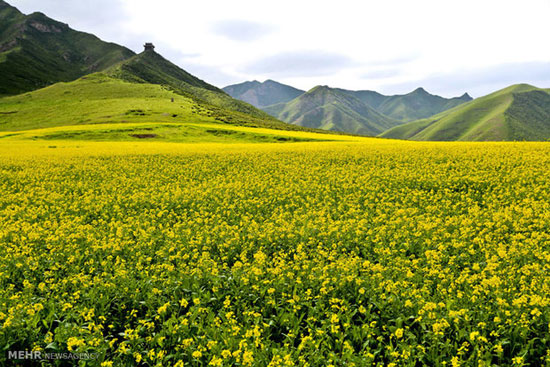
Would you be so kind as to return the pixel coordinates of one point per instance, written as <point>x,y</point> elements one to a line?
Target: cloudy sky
<point>392,46</point>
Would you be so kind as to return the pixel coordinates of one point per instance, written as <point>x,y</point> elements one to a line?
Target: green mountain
<point>408,107</point>
<point>331,109</point>
<point>369,97</point>
<point>36,51</point>
<point>418,104</point>
<point>361,112</point>
<point>150,67</point>
<point>519,112</point>
<point>145,88</point>
<point>263,94</point>
<point>99,107</point>
<point>130,88</point>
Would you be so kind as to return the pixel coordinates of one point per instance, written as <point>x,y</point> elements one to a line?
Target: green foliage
<point>9,17</point>
<point>95,98</point>
<point>528,116</point>
<point>379,253</point>
<point>166,132</point>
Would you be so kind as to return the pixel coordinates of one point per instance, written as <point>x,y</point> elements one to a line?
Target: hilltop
<point>519,112</point>
<point>331,109</point>
<point>150,67</point>
<point>37,51</point>
<point>102,98</point>
<point>263,94</point>
<point>369,97</point>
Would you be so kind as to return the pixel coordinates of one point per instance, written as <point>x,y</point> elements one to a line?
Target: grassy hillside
<point>150,67</point>
<point>36,51</point>
<point>174,132</point>
<point>263,94</point>
<point>100,98</point>
<point>371,98</point>
<point>528,116</point>
<point>331,109</point>
<point>417,105</point>
<point>519,112</point>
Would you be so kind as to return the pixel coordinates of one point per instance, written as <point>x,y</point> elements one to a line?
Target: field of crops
<point>313,254</point>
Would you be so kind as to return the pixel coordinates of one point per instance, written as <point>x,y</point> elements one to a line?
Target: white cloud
<point>480,81</point>
<point>299,63</point>
<point>241,30</point>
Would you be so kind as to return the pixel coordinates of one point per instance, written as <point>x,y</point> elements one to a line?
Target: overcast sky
<point>392,46</point>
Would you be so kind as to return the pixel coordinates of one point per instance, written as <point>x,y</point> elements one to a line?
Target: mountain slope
<point>99,98</point>
<point>150,67</point>
<point>330,109</point>
<point>36,51</point>
<point>380,111</point>
<point>263,94</point>
<point>146,88</point>
<point>416,105</point>
<point>519,112</point>
<point>369,97</point>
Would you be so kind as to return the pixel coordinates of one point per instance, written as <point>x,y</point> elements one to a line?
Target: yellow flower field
<point>351,253</point>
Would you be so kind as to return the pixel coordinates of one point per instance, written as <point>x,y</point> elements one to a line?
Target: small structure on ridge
<point>149,46</point>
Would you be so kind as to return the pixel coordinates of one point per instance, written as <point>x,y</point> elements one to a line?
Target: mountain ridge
<point>382,110</point>
<point>377,112</point>
<point>330,109</point>
<point>144,88</point>
<point>36,51</point>
<point>151,67</point>
<point>263,94</point>
<point>517,112</point>
<point>418,104</point>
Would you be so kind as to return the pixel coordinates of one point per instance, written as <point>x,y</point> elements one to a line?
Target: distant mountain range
<point>332,109</point>
<point>361,112</point>
<point>519,112</point>
<point>263,94</point>
<point>36,51</point>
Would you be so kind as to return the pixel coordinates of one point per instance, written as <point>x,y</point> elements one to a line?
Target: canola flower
<point>374,253</point>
